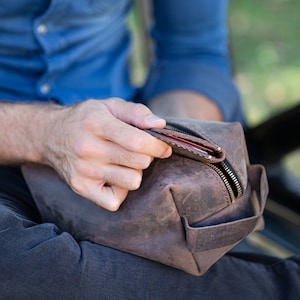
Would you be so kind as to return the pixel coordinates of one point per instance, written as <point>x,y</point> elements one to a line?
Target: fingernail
<point>154,119</point>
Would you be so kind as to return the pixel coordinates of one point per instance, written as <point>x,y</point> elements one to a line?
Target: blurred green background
<point>266,55</point>
<point>266,59</point>
<point>265,50</point>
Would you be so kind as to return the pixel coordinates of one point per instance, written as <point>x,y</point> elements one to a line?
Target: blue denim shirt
<point>68,51</point>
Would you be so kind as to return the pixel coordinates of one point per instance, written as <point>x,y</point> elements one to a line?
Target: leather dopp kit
<point>190,210</point>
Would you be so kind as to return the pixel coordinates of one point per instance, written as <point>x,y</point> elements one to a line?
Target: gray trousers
<point>39,261</point>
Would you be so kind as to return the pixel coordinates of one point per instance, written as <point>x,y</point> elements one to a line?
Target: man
<point>58,59</point>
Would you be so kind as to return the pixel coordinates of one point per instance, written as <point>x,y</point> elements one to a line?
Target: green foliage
<point>265,43</point>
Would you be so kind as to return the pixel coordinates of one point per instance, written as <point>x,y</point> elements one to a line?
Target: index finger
<point>136,140</point>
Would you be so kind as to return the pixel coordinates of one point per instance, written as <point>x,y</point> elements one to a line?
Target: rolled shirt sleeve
<point>191,53</point>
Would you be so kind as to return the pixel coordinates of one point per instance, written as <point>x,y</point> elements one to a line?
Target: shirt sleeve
<point>191,53</point>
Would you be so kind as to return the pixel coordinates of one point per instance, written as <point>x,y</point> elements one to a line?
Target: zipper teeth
<point>226,168</point>
<point>170,127</point>
<point>225,180</point>
<point>234,179</point>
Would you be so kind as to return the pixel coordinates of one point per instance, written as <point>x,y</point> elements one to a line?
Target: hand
<point>97,147</point>
<point>185,104</point>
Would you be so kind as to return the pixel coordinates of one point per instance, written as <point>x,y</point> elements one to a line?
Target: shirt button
<point>42,29</point>
<point>45,88</point>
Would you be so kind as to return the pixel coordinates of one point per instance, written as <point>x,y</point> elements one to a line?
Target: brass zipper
<point>223,169</point>
<point>231,182</point>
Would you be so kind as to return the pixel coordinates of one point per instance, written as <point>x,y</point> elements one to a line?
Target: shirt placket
<point>49,41</point>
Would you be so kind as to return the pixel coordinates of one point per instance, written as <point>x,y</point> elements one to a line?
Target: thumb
<point>135,114</point>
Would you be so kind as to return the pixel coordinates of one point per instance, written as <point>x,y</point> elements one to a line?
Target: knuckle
<point>80,148</point>
<point>135,180</point>
<point>122,158</point>
<point>163,150</point>
<point>113,204</point>
<point>83,148</point>
<point>83,168</point>
<point>77,185</point>
<point>137,143</point>
<point>139,108</point>
<point>89,121</point>
<point>90,170</point>
<point>116,99</point>
<point>132,160</point>
<point>145,163</point>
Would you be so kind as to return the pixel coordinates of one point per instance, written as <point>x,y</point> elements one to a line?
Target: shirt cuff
<point>198,77</point>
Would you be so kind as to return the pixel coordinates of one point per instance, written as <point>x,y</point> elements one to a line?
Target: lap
<point>40,261</point>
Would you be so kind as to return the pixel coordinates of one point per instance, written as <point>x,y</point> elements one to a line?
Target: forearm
<point>191,54</point>
<point>185,104</point>
<point>24,128</point>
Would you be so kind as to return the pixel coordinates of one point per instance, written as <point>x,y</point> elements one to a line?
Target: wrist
<point>24,130</point>
<point>185,104</point>
<point>47,136</point>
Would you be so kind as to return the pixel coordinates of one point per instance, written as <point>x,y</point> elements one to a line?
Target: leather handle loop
<point>230,233</point>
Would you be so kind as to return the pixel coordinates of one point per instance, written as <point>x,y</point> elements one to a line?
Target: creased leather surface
<point>156,221</point>
<point>229,136</point>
